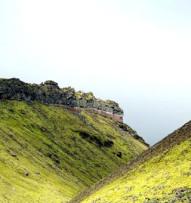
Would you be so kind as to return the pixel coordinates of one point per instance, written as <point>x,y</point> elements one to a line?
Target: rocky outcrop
<point>50,93</point>
<point>132,132</point>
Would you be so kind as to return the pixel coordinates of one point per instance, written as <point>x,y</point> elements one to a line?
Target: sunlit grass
<point>154,181</point>
<point>43,158</point>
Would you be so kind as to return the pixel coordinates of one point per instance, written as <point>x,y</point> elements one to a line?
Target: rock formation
<point>50,93</point>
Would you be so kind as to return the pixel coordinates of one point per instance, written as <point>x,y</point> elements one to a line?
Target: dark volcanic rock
<point>50,93</point>
<point>132,132</point>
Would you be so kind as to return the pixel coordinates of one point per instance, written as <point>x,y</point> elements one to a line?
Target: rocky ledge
<point>50,93</point>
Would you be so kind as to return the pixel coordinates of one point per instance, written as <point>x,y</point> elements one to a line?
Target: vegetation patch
<point>163,178</point>
<point>50,154</point>
<point>95,139</point>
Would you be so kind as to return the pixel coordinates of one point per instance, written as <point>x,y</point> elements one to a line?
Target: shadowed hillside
<point>50,154</point>
<point>161,174</point>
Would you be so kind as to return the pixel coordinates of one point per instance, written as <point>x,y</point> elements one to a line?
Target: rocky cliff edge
<point>50,93</point>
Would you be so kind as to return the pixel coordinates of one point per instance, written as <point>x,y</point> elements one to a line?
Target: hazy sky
<point>137,52</point>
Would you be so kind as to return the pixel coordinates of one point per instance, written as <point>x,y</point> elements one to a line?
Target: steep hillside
<point>161,174</point>
<point>50,154</point>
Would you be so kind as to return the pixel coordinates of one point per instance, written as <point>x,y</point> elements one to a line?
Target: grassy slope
<point>48,154</point>
<point>165,177</point>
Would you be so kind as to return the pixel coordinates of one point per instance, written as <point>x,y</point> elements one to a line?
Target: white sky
<point>136,52</point>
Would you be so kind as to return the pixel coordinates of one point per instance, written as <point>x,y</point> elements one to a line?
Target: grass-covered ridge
<point>49,154</point>
<point>165,177</point>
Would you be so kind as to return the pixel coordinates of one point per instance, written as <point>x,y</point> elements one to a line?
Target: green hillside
<point>162,174</point>
<point>50,154</point>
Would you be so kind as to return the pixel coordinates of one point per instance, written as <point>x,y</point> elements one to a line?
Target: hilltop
<point>49,151</point>
<point>50,93</point>
<point>161,174</point>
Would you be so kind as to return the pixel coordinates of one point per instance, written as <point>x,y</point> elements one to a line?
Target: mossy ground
<point>165,178</point>
<point>49,154</point>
